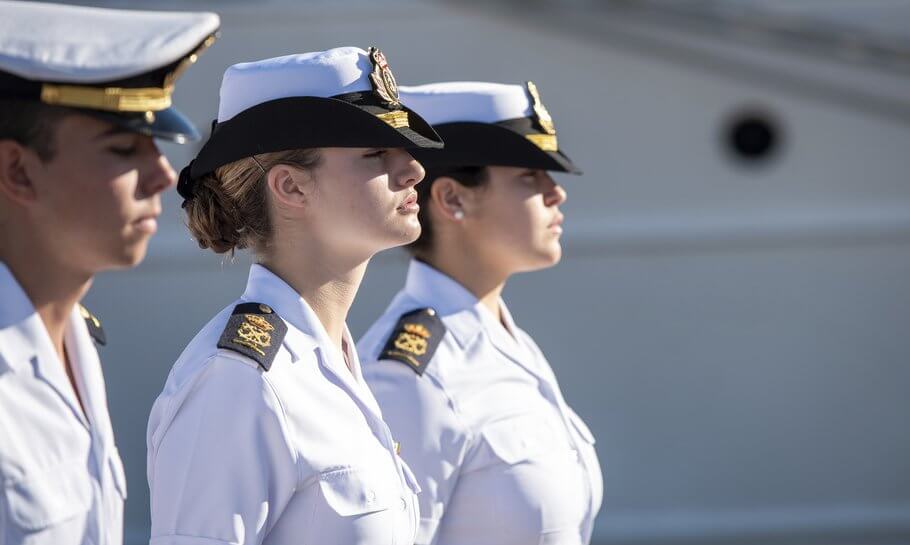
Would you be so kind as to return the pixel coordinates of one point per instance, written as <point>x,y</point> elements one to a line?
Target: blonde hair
<point>229,208</point>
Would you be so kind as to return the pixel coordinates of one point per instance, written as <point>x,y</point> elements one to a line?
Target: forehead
<point>77,124</point>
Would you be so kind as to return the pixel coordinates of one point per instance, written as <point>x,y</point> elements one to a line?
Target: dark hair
<point>229,208</point>
<point>31,124</point>
<point>468,176</point>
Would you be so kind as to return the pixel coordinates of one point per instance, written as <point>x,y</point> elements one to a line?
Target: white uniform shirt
<point>61,474</point>
<point>295,455</point>
<point>501,457</point>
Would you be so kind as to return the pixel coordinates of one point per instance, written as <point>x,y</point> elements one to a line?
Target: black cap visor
<point>311,122</point>
<point>494,144</point>
<point>168,124</point>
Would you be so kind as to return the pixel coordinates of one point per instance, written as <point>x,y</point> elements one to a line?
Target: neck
<point>480,276</point>
<point>51,286</point>
<point>326,282</point>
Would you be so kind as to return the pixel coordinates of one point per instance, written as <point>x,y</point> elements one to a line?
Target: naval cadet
<point>266,432</point>
<point>501,457</point>
<point>83,94</point>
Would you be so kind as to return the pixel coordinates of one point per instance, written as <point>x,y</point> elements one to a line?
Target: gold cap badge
<point>540,111</point>
<point>381,77</point>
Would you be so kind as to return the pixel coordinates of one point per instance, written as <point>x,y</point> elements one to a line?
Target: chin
<point>130,256</point>
<point>406,233</point>
<point>549,256</point>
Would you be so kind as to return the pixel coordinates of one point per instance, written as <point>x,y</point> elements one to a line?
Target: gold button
<point>149,117</point>
<point>265,309</point>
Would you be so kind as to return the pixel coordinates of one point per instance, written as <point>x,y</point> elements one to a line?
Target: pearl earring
<point>459,214</point>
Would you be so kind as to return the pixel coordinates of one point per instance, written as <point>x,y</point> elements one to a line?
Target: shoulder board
<point>415,339</point>
<point>255,331</point>
<point>94,326</point>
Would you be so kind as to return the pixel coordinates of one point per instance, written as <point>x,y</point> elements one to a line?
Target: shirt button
<point>404,504</point>
<point>371,496</point>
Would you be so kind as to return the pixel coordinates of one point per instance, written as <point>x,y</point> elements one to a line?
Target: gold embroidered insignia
<point>255,331</point>
<point>540,111</point>
<point>415,339</point>
<point>382,79</point>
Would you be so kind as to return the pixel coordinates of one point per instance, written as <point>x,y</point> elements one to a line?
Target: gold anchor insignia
<point>254,333</point>
<point>382,78</point>
<point>413,339</point>
<point>543,116</point>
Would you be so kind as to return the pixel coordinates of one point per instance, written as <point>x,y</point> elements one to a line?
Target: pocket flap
<point>45,498</point>
<point>356,491</point>
<point>519,438</point>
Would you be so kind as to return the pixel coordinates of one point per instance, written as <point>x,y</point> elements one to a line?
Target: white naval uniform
<point>501,457</point>
<point>296,455</point>
<point>62,478</point>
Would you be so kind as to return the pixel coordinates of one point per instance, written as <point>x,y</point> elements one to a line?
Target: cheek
<point>370,200</point>
<point>512,220</point>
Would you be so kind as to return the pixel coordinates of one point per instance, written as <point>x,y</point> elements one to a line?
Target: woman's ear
<point>448,197</point>
<point>290,186</point>
<point>14,180</point>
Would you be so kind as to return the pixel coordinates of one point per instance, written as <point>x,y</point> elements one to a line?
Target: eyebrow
<point>112,131</point>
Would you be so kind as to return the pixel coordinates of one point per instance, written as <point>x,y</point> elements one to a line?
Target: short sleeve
<point>432,437</point>
<point>221,469</point>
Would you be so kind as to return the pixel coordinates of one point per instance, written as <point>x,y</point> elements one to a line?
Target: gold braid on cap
<point>122,99</point>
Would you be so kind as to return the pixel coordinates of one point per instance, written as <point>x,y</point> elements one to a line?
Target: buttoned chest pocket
<point>521,438</point>
<point>363,505</point>
<point>357,491</point>
<point>43,499</point>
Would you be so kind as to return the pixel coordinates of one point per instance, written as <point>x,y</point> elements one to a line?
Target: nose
<point>555,194</point>
<point>160,176</point>
<point>411,171</point>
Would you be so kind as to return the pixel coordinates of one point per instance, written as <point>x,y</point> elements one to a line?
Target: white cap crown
<point>75,44</point>
<point>318,74</point>
<point>467,101</point>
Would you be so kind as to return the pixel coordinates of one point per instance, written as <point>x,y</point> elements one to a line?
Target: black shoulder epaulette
<point>255,331</point>
<point>415,339</point>
<point>94,326</point>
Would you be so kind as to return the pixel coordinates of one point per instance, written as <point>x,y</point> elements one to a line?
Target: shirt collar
<point>264,286</point>
<point>461,311</point>
<point>21,329</point>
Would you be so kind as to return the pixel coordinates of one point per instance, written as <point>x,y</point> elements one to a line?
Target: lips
<point>409,204</point>
<point>147,223</point>
<point>557,221</point>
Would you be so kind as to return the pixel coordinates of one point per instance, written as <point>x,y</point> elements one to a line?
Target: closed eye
<point>127,151</point>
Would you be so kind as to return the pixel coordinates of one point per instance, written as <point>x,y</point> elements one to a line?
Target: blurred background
<point>731,315</point>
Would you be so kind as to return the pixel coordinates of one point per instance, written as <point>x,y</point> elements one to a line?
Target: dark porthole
<point>752,137</point>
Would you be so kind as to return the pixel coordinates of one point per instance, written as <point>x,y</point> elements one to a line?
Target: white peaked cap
<point>467,101</point>
<point>76,44</point>
<point>343,97</point>
<point>487,124</point>
<point>318,74</point>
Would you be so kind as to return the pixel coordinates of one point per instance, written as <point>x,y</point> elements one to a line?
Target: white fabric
<point>61,475</point>
<point>296,454</point>
<point>55,42</point>
<point>467,101</point>
<point>500,456</point>
<point>317,74</point>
